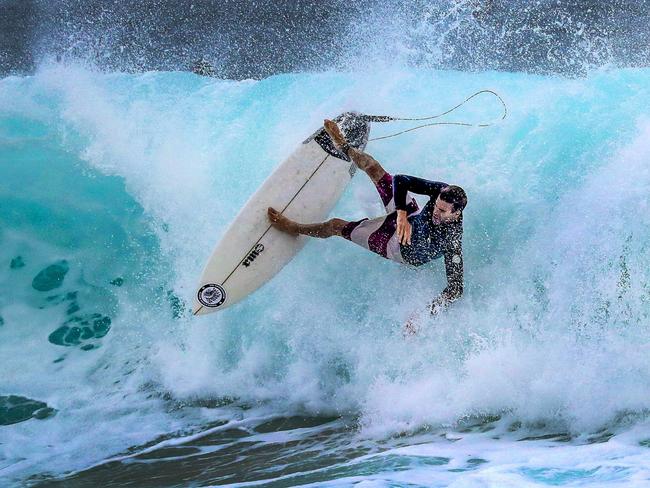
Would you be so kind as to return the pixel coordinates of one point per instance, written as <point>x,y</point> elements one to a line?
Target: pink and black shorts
<point>379,235</point>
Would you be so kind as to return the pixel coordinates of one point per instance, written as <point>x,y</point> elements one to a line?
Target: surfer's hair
<point>455,195</point>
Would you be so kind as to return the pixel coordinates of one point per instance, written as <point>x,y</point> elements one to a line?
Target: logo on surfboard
<point>212,295</point>
<point>257,250</point>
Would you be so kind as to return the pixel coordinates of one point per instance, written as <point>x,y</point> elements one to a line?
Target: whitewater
<point>115,187</point>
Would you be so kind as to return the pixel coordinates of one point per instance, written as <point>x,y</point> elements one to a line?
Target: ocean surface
<point>115,187</point>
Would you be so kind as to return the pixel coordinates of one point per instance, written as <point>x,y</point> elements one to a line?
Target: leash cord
<point>387,118</point>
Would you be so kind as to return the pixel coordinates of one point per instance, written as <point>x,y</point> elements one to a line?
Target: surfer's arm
<point>453,291</point>
<point>454,270</point>
<point>402,184</point>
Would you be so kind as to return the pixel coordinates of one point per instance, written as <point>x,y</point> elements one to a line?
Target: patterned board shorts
<point>379,235</point>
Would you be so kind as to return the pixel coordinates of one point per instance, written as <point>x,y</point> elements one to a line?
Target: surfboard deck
<point>304,187</point>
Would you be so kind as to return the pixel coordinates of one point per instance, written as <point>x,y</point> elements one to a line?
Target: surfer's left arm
<point>454,271</point>
<point>453,291</point>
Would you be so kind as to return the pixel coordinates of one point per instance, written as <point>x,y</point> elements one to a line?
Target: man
<point>406,234</point>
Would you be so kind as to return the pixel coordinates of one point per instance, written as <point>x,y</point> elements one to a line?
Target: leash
<point>388,118</point>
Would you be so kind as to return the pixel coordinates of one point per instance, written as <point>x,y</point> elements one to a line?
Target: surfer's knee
<point>336,226</point>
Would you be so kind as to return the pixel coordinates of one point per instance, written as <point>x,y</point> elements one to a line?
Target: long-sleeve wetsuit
<point>429,240</point>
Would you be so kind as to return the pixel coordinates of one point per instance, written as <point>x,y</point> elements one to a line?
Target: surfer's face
<point>444,212</point>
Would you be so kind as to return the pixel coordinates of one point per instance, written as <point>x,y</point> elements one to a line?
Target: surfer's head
<point>449,204</point>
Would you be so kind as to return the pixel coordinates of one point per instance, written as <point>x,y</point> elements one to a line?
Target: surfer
<point>406,234</point>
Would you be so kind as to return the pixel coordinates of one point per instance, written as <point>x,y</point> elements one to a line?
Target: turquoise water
<point>115,188</point>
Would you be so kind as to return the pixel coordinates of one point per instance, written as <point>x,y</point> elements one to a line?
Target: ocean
<point>116,186</point>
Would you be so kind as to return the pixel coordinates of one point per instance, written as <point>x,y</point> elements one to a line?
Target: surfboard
<point>304,187</point>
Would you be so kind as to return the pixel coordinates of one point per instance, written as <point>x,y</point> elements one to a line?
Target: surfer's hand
<point>411,327</point>
<point>438,305</point>
<point>403,228</point>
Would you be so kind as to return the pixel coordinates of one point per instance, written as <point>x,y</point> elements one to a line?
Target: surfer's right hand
<point>403,228</point>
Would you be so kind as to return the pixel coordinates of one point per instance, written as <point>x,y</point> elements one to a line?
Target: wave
<point>115,187</point>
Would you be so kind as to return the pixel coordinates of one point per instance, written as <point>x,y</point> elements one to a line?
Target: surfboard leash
<point>388,118</point>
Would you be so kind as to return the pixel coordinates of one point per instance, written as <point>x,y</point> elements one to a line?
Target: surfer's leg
<point>368,164</point>
<point>385,189</point>
<point>364,161</point>
<point>376,235</point>
<point>332,227</point>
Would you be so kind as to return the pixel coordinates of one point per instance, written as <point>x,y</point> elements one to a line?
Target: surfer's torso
<point>429,240</point>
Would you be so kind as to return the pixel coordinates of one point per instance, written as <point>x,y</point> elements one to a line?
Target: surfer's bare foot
<point>364,161</point>
<point>334,132</point>
<point>281,222</point>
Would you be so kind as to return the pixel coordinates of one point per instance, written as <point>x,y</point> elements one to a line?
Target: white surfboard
<point>305,187</point>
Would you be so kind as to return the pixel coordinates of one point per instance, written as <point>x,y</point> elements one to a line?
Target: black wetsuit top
<point>428,240</point>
